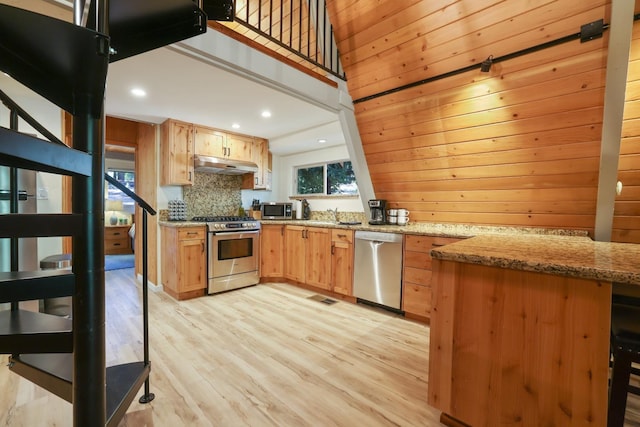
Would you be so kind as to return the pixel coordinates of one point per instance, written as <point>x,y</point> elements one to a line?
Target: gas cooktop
<point>221,218</point>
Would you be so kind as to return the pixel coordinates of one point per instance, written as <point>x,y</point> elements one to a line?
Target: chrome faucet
<point>334,212</point>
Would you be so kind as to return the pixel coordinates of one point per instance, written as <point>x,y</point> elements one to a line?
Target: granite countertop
<point>433,229</point>
<point>573,256</point>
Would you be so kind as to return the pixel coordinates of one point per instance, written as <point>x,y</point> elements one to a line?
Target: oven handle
<point>234,233</point>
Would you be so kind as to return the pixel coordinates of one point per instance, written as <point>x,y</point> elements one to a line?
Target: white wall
<point>49,185</point>
<point>284,182</point>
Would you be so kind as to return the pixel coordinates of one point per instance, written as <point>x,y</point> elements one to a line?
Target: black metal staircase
<point>67,65</point>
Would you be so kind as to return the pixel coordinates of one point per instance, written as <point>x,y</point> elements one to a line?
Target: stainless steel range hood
<point>223,166</point>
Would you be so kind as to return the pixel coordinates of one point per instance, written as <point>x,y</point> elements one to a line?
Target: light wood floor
<point>267,355</point>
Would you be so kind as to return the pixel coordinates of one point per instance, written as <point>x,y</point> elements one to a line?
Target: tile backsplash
<point>213,194</point>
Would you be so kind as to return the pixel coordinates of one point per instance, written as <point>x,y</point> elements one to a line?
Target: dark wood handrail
<point>139,200</point>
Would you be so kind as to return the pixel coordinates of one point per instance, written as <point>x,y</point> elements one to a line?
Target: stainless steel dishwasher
<point>377,273</point>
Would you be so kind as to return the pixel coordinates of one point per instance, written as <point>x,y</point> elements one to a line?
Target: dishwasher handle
<point>378,237</point>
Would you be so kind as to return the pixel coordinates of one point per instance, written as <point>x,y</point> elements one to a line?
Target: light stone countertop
<point>559,255</point>
<point>552,251</point>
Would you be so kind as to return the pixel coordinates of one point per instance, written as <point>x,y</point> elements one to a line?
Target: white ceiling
<point>187,89</point>
<point>184,88</point>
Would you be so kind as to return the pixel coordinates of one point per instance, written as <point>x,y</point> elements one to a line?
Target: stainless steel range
<point>233,245</point>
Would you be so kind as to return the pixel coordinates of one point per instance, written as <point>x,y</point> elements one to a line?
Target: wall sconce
<point>113,206</point>
<point>485,66</point>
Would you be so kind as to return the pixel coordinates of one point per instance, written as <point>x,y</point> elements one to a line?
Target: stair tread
<point>74,57</point>
<point>29,152</point>
<point>31,285</point>
<point>40,225</point>
<point>54,372</point>
<point>138,27</point>
<point>23,331</point>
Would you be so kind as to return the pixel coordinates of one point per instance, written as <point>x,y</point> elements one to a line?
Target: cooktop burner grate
<point>221,218</point>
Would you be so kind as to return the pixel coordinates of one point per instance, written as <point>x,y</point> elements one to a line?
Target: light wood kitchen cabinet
<point>116,240</point>
<point>184,260</point>
<point>308,255</point>
<point>416,275</point>
<point>238,147</point>
<point>272,251</point>
<point>176,153</point>
<point>260,180</point>
<point>209,142</point>
<point>342,261</point>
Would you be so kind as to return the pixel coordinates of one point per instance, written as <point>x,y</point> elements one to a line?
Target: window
<point>128,179</point>
<point>336,178</point>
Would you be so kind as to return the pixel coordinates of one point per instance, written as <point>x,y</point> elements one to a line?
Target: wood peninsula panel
<point>626,225</point>
<point>517,146</point>
<point>513,346</point>
<point>147,188</point>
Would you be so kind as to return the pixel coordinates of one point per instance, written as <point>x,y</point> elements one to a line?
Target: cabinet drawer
<point>116,232</point>
<point>416,299</point>
<point>425,243</point>
<point>188,233</point>
<point>342,236</point>
<point>417,275</point>
<point>417,259</point>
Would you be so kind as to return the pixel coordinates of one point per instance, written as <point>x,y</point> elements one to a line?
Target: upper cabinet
<point>239,147</point>
<point>260,180</point>
<point>176,153</point>
<point>180,141</point>
<point>215,143</point>
<point>209,142</point>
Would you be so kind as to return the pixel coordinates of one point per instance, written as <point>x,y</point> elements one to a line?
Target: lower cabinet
<point>116,240</point>
<point>272,251</point>
<point>342,261</point>
<point>184,261</point>
<point>416,275</point>
<point>307,255</point>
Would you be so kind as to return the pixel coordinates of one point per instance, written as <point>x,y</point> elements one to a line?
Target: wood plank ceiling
<point>519,145</point>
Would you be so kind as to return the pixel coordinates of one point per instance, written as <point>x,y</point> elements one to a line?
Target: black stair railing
<point>146,210</point>
<point>300,26</point>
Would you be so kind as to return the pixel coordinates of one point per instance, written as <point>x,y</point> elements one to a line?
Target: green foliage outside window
<point>330,178</point>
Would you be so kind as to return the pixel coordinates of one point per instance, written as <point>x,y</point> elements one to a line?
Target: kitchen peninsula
<point>520,328</point>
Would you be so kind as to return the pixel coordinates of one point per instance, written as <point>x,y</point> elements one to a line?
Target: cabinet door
<point>294,256</point>
<point>209,142</point>
<point>342,261</point>
<point>177,153</point>
<point>192,258</point>
<point>318,256</point>
<point>239,147</point>
<point>272,251</point>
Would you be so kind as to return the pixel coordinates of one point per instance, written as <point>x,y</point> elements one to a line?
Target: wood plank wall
<point>517,146</point>
<point>626,222</point>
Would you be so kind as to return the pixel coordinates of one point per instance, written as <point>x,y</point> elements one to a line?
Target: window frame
<point>324,166</point>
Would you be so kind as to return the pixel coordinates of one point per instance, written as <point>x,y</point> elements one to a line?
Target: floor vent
<point>323,299</point>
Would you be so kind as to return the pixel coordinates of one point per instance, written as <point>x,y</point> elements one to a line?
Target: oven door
<point>233,260</point>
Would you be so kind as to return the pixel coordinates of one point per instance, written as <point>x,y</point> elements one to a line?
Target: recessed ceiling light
<point>139,93</point>
<point>235,126</point>
<point>322,141</point>
<point>266,113</point>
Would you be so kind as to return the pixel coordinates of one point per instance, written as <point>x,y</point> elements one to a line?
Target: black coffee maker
<point>378,209</point>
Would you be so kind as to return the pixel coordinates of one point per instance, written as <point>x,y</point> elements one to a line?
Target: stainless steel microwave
<point>276,210</point>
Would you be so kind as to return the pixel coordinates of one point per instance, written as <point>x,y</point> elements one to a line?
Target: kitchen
<point>569,216</point>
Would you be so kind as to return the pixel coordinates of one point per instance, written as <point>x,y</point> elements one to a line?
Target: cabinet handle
<point>282,230</point>
<point>116,244</point>
<point>117,233</point>
<point>202,247</point>
<point>333,248</point>
<point>437,245</point>
<point>190,179</point>
<point>192,233</point>
<point>342,235</point>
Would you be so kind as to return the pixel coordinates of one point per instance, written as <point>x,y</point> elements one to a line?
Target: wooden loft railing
<point>297,32</point>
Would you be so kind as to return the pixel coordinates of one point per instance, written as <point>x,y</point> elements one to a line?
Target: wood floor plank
<point>260,356</point>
